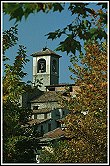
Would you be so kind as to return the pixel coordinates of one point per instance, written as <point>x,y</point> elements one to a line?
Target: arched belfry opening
<point>41,66</point>
<point>54,66</point>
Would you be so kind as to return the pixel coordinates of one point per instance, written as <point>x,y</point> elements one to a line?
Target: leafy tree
<point>86,124</point>
<point>19,143</point>
<point>18,10</point>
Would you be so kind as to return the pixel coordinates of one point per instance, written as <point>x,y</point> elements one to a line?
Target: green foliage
<point>18,10</point>
<point>9,39</point>
<point>89,24</point>
<point>57,7</point>
<point>69,45</point>
<point>20,149</point>
<point>19,142</point>
<point>13,87</point>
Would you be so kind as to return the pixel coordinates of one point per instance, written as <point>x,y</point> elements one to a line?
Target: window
<point>49,126</point>
<point>35,116</point>
<point>41,66</point>
<point>45,116</point>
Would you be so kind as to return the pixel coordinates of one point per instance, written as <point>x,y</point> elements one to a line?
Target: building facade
<point>44,102</point>
<point>44,99</point>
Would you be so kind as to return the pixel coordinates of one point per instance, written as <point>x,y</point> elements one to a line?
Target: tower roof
<point>45,51</point>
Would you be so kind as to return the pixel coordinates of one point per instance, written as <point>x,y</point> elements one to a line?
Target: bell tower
<point>45,68</point>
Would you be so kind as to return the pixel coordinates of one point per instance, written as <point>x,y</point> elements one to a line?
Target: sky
<point>31,34</point>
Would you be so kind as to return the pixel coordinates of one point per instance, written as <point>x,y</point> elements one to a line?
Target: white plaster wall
<point>55,114</point>
<point>51,105</point>
<point>40,116</point>
<point>34,65</point>
<point>60,113</point>
<point>32,116</point>
<point>49,115</point>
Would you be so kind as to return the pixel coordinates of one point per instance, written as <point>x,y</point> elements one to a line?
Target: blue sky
<point>31,33</point>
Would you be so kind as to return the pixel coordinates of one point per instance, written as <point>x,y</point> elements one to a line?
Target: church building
<point>47,112</point>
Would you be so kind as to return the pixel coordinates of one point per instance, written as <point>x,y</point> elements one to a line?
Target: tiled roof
<point>61,84</point>
<point>48,96</point>
<point>58,132</point>
<point>37,121</point>
<point>43,110</point>
<point>45,51</point>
